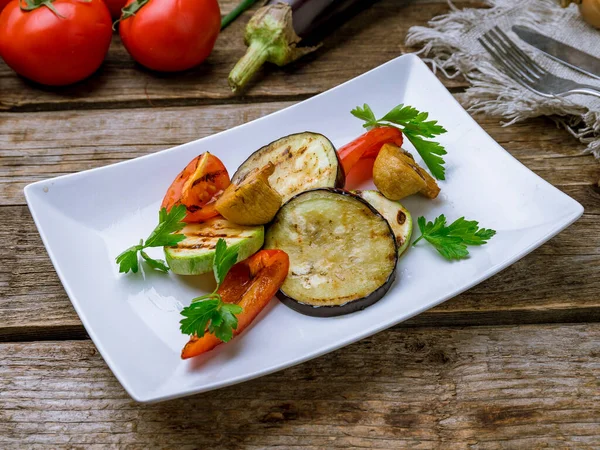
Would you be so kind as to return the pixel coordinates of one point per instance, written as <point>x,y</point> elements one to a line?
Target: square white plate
<point>86,219</point>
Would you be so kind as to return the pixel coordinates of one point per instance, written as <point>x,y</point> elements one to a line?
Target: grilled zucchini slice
<point>302,161</point>
<point>342,252</point>
<point>195,254</point>
<point>397,216</point>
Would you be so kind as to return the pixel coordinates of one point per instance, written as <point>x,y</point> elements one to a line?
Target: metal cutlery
<point>525,71</point>
<point>563,53</point>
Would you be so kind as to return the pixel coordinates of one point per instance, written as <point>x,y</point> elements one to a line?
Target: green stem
<point>30,5</point>
<point>417,240</point>
<point>212,296</point>
<point>239,9</point>
<point>248,65</point>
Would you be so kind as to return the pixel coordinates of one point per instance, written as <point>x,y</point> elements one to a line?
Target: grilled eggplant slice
<point>397,216</point>
<point>302,161</point>
<point>195,254</point>
<point>342,252</point>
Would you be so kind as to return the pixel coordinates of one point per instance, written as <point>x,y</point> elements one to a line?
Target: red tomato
<point>197,187</point>
<point>114,6</point>
<point>55,49</point>
<point>171,35</point>
<point>3,3</point>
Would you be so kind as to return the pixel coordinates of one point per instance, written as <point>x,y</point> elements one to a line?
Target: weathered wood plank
<point>488,387</point>
<point>365,42</point>
<point>41,145</point>
<point>557,283</point>
<point>35,146</point>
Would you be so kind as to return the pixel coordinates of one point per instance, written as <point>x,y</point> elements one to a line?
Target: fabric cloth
<point>450,45</point>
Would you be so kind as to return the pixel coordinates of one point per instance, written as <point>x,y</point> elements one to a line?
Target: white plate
<point>86,219</point>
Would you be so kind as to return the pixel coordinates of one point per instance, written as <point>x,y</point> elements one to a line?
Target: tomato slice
<point>197,187</point>
<point>367,145</point>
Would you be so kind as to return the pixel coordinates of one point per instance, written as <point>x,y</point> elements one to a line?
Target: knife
<point>575,59</point>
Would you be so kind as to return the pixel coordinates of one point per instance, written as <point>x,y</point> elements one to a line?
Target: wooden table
<point>512,363</point>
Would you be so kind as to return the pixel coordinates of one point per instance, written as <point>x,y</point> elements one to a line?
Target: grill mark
<point>195,246</point>
<point>208,235</point>
<point>210,176</point>
<point>301,150</point>
<point>401,217</point>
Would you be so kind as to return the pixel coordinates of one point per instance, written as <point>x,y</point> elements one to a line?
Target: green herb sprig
<point>209,312</point>
<point>451,241</point>
<point>415,126</point>
<point>164,235</point>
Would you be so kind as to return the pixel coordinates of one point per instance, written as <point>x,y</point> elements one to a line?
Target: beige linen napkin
<point>450,45</point>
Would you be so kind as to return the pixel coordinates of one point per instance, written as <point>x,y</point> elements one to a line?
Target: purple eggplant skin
<point>310,17</point>
<point>354,305</point>
<point>341,310</point>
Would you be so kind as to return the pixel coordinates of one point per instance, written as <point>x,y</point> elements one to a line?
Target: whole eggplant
<point>284,30</point>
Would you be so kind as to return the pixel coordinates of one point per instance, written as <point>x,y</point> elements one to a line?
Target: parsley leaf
<point>229,322</point>
<point>451,241</point>
<point>168,223</point>
<point>163,235</point>
<point>209,313</point>
<point>415,126</point>
<point>128,260</point>
<point>158,264</point>
<point>365,113</point>
<point>198,314</point>
<point>225,258</point>
<point>400,114</point>
<point>431,153</point>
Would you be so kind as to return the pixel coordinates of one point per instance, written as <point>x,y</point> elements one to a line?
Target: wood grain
<point>557,283</point>
<point>482,388</point>
<point>35,146</point>
<point>363,43</point>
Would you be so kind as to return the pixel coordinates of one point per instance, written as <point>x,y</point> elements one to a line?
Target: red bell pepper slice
<point>367,145</point>
<point>251,284</point>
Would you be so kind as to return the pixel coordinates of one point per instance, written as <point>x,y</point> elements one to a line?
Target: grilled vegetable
<point>367,145</point>
<point>196,187</point>
<point>342,252</point>
<point>250,284</point>
<point>284,30</point>
<point>415,127</point>
<point>302,161</point>
<point>195,254</point>
<point>397,175</point>
<point>397,216</point>
<point>253,202</point>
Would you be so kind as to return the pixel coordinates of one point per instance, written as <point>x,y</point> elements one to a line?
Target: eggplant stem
<point>256,55</point>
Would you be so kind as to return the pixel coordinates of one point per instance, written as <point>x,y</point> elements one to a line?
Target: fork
<point>525,71</point>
